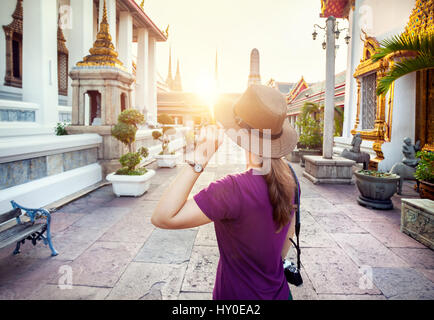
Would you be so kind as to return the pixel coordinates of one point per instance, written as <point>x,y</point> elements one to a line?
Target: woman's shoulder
<point>240,179</point>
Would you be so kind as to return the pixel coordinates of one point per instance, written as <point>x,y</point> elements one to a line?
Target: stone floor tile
<point>195,296</point>
<point>102,264</point>
<point>18,290</point>
<point>79,234</point>
<point>331,271</point>
<point>338,223</point>
<point>60,221</point>
<point>56,292</point>
<point>103,217</point>
<point>351,297</point>
<point>428,273</point>
<point>360,213</point>
<point>201,270</point>
<point>390,234</point>
<point>144,208</point>
<point>365,250</point>
<point>149,281</point>
<point>132,228</point>
<point>403,283</point>
<point>313,236</point>
<point>419,258</point>
<point>167,246</point>
<point>316,204</point>
<point>206,236</point>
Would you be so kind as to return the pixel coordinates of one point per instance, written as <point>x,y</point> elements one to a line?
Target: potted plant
<point>376,188</point>
<point>130,180</point>
<point>425,174</point>
<point>166,158</point>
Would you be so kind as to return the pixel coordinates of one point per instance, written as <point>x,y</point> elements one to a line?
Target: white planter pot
<point>167,160</point>
<point>130,185</point>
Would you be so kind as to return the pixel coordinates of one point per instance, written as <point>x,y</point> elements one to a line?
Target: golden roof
<point>103,52</point>
<point>421,19</point>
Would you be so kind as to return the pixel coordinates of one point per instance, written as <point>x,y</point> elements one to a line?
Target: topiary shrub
<point>125,131</point>
<point>166,121</point>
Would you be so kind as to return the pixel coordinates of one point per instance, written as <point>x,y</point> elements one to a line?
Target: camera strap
<point>297,217</point>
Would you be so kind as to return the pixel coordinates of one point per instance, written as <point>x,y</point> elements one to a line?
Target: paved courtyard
<point>108,249</point>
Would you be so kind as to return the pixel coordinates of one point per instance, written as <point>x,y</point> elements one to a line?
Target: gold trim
<point>381,129</point>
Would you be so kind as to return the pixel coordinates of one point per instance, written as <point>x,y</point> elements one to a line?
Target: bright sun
<point>206,88</point>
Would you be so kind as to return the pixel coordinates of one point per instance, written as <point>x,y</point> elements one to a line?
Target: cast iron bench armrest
<point>35,214</point>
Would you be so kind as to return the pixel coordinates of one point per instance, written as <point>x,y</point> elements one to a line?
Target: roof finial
<point>103,52</point>
<point>104,13</point>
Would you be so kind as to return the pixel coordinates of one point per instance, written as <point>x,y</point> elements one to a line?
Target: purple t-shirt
<point>250,265</point>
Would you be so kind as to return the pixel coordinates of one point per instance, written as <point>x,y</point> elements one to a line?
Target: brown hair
<point>281,188</point>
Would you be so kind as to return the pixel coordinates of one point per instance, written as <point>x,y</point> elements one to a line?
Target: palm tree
<point>418,52</point>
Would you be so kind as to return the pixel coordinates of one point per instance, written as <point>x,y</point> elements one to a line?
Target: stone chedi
<point>355,154</point>
<point>101,91</point>
<point>254,76</point>
<point>407,167</point>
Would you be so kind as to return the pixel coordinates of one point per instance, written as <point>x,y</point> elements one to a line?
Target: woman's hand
<point>210,139</point>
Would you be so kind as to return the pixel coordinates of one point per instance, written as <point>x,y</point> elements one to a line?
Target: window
<point>62,63</point>
<point>14,48</point>
<point>369,101</point>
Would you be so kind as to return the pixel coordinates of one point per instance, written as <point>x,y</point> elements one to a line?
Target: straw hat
<point>257,122</point>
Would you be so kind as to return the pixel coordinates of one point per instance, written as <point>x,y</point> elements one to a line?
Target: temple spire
<point>169,79</point>
<point>103,52</point>
<point>177,84</point>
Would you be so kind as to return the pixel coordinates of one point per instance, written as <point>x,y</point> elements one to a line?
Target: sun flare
<point>206,88</point>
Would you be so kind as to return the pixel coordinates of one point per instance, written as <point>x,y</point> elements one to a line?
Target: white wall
<point>380,19</point>
<point>403,120</point>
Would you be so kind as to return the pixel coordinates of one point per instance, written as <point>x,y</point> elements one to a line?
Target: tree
<point>316,111</point>
<point>418,53</point>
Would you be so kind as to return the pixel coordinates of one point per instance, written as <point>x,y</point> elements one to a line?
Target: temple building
<point>303,92</point>
<point>184,107</point>
<point>408,108</point>
<point>79,61</point>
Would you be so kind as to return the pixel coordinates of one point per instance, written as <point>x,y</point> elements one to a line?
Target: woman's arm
<point>287,243</point>
<point>175,210</point>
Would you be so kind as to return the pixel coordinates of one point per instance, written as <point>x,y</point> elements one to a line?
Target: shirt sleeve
<point>220,200</point>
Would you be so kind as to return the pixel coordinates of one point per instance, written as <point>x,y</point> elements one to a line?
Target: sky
<point>280,29</point>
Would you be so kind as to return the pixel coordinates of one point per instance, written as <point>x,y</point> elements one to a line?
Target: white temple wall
<point>403,121</point>
<point>380,21</point>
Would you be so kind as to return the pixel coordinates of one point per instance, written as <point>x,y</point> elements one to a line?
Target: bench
<point>33,229</point>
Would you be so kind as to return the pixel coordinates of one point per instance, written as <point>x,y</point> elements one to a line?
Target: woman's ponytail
<point>281,187</point>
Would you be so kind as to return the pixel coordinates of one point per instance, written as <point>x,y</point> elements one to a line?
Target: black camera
<point>292,273</point>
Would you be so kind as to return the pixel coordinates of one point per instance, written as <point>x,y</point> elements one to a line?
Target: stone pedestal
<point>333,171</point>
<point>417,220</point>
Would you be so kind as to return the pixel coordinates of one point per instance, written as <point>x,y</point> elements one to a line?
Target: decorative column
<point>326,168</point>
<point>111,17</point>
<point>80,39</point>
<point>126,39</point>
<point>152,78</point>
<point>329,90</point>
<point>40,58</point>
<point>142,81</point>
